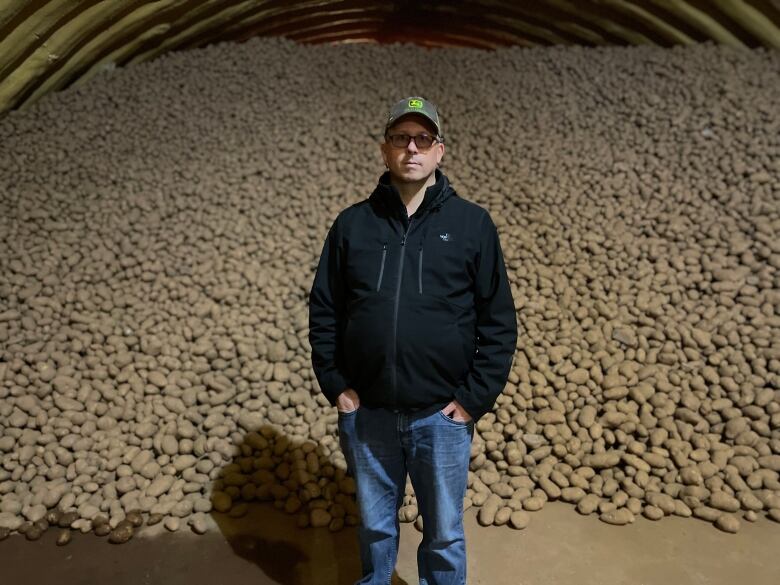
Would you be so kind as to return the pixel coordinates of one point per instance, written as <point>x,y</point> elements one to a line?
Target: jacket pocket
<point>419,270</point>
<point>364,268</point>
<point>381,266</point>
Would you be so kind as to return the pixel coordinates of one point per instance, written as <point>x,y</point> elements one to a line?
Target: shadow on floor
<point>262,548</point>
<point>269,539</point>
<point>266,536</point>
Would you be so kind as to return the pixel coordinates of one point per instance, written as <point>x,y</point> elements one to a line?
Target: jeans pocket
<point>453,421</point>
<point>348,413</point>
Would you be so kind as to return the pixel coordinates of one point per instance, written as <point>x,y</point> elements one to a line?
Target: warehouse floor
<point>265,548</point>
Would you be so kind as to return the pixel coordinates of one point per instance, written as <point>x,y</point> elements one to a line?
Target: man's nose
<point>412,146</point>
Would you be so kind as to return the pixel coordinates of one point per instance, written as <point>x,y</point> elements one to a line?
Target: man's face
<point>411,164</point>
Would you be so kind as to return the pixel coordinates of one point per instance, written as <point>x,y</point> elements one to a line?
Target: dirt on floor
<point>265,547</point>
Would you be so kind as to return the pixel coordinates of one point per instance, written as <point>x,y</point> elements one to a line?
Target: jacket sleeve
<point>496,328</point>
<point>326,312</point>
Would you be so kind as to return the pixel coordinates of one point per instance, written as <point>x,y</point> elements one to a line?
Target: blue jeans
<point>381,446</point>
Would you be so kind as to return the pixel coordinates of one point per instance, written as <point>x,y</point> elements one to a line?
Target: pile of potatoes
<point>159,229</point>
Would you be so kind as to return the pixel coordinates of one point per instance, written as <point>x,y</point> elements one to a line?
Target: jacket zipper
<point>395,313</point>
<point>419,270</point>
<point>382,266</point>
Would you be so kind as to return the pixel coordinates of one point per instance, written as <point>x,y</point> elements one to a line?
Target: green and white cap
<point>415,105</point>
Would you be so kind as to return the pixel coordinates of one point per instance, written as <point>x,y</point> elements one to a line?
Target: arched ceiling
<point>47,45</point>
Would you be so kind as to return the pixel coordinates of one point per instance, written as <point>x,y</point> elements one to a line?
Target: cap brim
<point>413,113</point>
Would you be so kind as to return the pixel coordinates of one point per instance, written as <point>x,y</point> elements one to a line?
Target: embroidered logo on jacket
<point>446,237</point>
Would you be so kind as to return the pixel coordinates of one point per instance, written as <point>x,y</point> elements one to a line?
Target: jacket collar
<point>435,195</point>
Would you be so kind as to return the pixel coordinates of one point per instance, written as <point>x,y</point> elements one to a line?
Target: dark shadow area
<point>278,559</point>
<point>270,536</point>
<point>181,558</point>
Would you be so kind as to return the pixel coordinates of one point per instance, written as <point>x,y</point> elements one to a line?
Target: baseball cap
<point>415,105</point>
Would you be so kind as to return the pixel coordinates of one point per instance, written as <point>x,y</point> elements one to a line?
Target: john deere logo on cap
<point>415,104</point>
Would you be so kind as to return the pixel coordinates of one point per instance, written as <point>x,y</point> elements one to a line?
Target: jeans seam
<point>390,571</point>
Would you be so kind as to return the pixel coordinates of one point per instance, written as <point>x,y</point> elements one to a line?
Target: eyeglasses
<point>422,141</point>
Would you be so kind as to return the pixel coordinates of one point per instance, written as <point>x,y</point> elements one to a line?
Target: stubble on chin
<point>415,175</point>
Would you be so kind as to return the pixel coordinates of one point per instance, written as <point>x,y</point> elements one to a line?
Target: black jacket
<point>412,312</point>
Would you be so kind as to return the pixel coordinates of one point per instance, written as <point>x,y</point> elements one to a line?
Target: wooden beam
<point>631,36</point>
<point>752,21</point>
<point>193,27</point>
<point>88,56</point>
<point>578,30</point>
<point>527,28</point>
<point>286,25</point>
<point>257,16</point>
<point>700,20</point>
<point>300,26</point>
<point>59,44</point>
<point>122,52</point>
<point>553,18</point>
<point>511,20</point>
<point>10,10</point>
<point>194,12</point>
<point>650,20</point>
<point>31,32</point>
<point>439,39</point>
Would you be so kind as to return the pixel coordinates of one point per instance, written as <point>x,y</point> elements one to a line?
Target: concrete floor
<point>265,548</point>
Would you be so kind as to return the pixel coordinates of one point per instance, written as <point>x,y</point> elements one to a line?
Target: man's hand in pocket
<point>347,401</point>
<point>456,412</point>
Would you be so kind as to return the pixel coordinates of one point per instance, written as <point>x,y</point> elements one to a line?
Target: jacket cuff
<point>334,385</point>
<point>468,401</point>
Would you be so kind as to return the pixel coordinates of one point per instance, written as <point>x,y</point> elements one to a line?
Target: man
<point>413,329</point>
